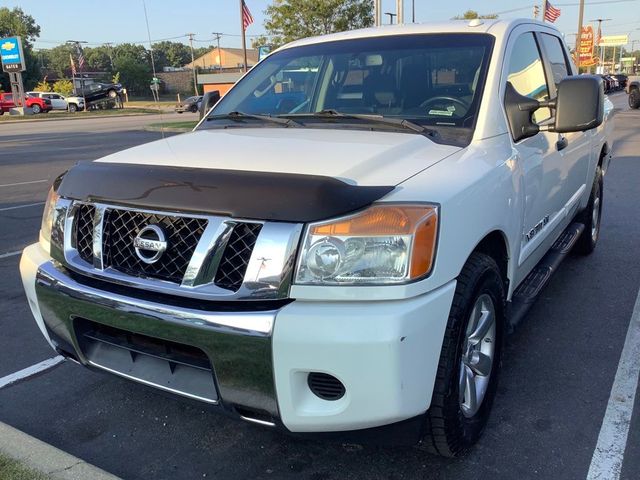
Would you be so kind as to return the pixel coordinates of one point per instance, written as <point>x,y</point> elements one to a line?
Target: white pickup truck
<point>341,245</point>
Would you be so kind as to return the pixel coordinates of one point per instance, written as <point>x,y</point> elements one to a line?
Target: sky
<point>119,21</point>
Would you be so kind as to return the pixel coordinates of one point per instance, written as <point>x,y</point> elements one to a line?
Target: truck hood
<point>353,156</point>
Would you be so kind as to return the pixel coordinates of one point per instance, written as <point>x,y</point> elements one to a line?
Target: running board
<point>527,292</point>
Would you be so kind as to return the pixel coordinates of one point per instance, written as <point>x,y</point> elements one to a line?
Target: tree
<point>98,59</point>
<point>288,20</point>
<point>57,60</point>
<point>170,54</point>
<point>42,86</point>
<point>64,87</point>
<point>16,22</point>
<point>472,14</point>
<point>136,76</point>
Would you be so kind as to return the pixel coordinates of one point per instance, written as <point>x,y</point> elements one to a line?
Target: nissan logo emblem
<point>150,244</point>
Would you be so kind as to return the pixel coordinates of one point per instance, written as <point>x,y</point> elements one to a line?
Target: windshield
<point>434,80</point>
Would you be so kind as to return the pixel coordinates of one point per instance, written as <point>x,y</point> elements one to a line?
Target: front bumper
<point>385,353</point>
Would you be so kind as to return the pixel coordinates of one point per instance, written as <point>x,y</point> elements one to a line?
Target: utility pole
<point>109,46</point>
<point>579,35</point>
<point>193,64</point>
<point>400,11</point>
<point>599,37</point>
<point>413,11</point>
<point>217,36</point>
<point>78,46</point>
<point>391,15</point>
<point>377,12</point>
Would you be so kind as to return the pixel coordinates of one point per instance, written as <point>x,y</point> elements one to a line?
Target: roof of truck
<point>494,27</point>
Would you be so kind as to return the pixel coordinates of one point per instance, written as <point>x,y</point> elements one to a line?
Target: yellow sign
<point>614,41</point>
<point>585,48</point>
<point>8,46</point>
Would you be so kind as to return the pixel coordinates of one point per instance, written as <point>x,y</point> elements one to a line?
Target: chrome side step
<point>529,290</point>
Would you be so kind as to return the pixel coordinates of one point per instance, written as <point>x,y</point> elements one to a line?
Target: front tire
<point>634,98</point>
<point>73,108</point>
<point>591,217</point>
<point>469,365</point>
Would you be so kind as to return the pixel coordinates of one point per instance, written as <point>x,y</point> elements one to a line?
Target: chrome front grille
<point>203,256</point>
<point>235,258</point>
<point>120,229</point>
<point>84,232</point>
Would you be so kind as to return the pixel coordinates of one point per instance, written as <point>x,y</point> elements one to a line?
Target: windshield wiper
<point>395,122</point>
<point>239,116</point>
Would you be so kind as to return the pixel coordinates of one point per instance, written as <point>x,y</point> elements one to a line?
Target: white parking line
<point>22,183</point>
<point>21,206</point>
<point>29,371</point>
<point>606,463</point>
<point>10,254</point>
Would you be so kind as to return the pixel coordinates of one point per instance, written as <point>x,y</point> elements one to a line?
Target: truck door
<point>576,151</point>
<point>544,170</point>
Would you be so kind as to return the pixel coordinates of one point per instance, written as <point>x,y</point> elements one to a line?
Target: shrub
<point>43,86</point>
<point>64,87</point>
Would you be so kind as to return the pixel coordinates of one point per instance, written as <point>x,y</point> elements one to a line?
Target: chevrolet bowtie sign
<point>12,54</point>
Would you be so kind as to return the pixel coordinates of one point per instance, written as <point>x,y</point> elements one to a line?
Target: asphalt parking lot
<point>556,382</point>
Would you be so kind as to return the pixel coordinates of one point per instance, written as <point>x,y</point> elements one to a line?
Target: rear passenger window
<point>555,55</point>
<point>526,73</point>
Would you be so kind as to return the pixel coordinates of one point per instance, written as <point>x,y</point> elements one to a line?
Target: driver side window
<point>526,73</point>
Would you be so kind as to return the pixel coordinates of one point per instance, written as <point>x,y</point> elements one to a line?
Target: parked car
<point>347,265</point>
<point>98,91</point>
<point>609,85</point>
<point>37,105</point>
<point>622,80</point>
<point>60,102</point>
<point>633,90</point>
<point>191,104</point>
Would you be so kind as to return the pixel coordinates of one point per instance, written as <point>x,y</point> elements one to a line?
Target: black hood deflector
<point>282,197</point>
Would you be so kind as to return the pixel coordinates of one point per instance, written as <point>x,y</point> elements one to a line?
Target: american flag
<point>247,19</point>
<point>551,13</point>
<point>73,65</point>
<point>80,58</point>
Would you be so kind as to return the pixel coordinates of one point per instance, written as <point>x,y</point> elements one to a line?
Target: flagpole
<point>544,10</point>
<point>244,40</point>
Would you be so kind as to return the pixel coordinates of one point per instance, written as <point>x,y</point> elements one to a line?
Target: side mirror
<point>579,105</point>
<point>519,113</point>
<point>208,101</point>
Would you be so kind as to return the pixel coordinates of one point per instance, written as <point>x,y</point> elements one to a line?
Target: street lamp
<point>391,15</point>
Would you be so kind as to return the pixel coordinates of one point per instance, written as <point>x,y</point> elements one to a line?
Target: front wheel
<point>35,108</point>
<point>591,217</point>
<point>634,98</point>
<point>469,360</point>
<point>73,107</point>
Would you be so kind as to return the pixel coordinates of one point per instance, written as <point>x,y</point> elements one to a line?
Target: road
<point>558,372</point>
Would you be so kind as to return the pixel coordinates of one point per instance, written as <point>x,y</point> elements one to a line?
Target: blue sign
<point>11,54</point>
<point>263,52</point>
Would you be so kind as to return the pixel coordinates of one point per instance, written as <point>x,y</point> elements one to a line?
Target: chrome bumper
<point>237,344</point>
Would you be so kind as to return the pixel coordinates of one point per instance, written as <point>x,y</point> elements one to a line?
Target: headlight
<point>47,219</point>
<point>385,244</point>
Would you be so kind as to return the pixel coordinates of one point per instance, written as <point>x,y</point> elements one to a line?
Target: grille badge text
<point>150,244</point>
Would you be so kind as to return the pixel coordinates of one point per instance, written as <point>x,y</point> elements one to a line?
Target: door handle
<point>562,143</point>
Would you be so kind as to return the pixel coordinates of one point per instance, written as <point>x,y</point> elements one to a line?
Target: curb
<point>149,128</point>
<point>46,458</point>
<point>81,117</point>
